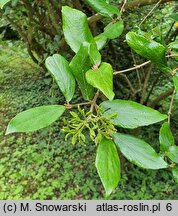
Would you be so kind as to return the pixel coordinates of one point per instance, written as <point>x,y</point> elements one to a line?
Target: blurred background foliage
<point>41,165</point>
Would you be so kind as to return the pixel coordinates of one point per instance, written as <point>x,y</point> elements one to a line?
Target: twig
<point>135,4</point>
<point>146,83</point>
<point>93,104</point>
<point>133,68</point>
<point>94,18</point>
<point>140,66</point>
<point>173,35</point>
<point>138,75</point>
<point>156,5</point>
<point>160,98</point>
<point>169,31</point>
<point>171,106</point>
<point>129,6</point>
<point>70,106</point>
<point>129,83</point>
<point>123,7</point>
<point>152,87</point>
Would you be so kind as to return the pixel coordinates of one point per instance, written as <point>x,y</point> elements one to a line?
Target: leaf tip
<point>111,97</point>
<point>9,130</point>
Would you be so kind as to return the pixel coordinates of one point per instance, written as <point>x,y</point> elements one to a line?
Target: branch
<point>129,83</point>
<point>94,18</point>
<point>151,11</point>
<point>123,6</point>
<point>71,106</point>
<point>173,36</point>
<point>129,6</point>
<point>52,16</point>
<point>137,3</point>
<point>160,98</point>
<point>169,31</point>
<point>152,87</point>
<point>141,65</point>
<point>93,104</point>
<point>146,83</point>
<point>171,106</point>
<point>133,68</point>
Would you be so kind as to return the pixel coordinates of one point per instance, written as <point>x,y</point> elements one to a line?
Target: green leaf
<point>174,49</point>
<point>3,2</point>
<point>175,174</point>
<point>35,118</point>
<point>139,152</point>
<point>149,49</point>
<point>75,28</point>
<point>166,138</point>
<point>94,54</point>
<point>103,8</point>
<point>102,79</point>
<point>131,114</point>
<point>174,16</point>
<point>79,65</point>
<point>108,165</point>
<point>77,32</point>
<point>175,80</point>
<point>113,30</point>
<point>59,68</point>
<point>101,41</point>
<point>173,153</point>
<point>173,45</point>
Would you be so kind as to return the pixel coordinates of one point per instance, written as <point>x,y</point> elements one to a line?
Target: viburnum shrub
<point>94,77</point>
